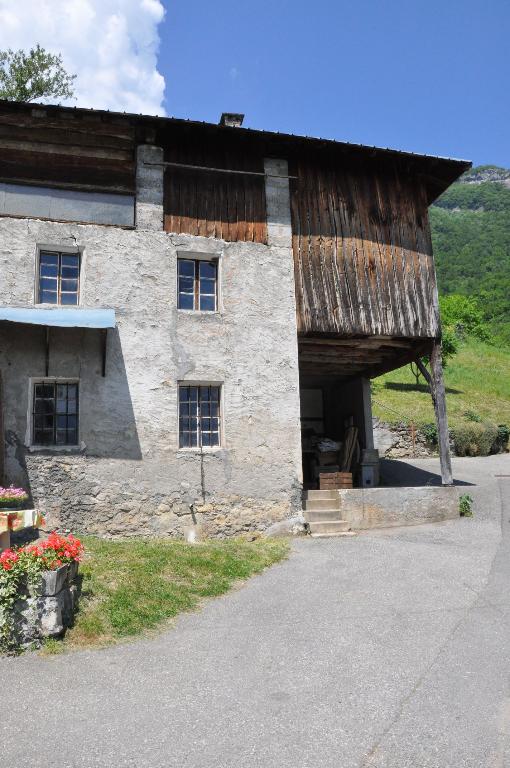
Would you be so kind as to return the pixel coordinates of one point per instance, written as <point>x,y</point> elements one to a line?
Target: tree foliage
<point>471,237</point>
<point>34,75</point>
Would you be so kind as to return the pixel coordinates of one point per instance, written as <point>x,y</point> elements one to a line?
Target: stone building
<point>181,302</point>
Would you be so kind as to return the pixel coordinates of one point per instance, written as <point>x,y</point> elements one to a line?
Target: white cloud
<point>111,45</point>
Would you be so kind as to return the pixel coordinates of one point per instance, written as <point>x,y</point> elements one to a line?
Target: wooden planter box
<point>330,481</point>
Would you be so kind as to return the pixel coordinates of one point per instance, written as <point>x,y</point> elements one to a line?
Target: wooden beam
<point>439,400</point>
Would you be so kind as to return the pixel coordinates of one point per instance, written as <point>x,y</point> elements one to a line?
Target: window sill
<point>65,449</point>
<point>199,451</point>
<point>201,312</point>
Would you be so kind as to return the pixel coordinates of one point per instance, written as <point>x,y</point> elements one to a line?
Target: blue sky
<point>421,76</point>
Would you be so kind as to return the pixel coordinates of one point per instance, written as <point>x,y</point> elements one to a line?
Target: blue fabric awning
<point>74,317</point>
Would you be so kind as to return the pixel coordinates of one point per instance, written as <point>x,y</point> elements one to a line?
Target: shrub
<point>473,438</point>
<point>470,415</point>
<point>466,505</point>
<point>429,431</point>
<point>501,442</point>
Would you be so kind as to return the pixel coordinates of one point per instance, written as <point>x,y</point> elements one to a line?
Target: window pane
<point>48,297</point>
<point>69,272</point>
<point>215,438</point>
<point>72,437</point>
<point>184,424</point>
<point>208,303</point>
<point>205,409</point>
<point>72,406</point>
<point>72,391</point>
<point>193,441</point>
<point>72,421</point>
<point>208,287</point>
<point>206,425</point>
<point>186,301</point>
<point>68,285</point>
<point>61,422</point>
<point>215,394</point>
<point>48,258</point>
<point>214,409</point>
<point>214,424</point>
<point>193,394</point>
<point>206,439</point>
<point>186,285</point>
<point>184,409</point>
<point>186,267</point>
<point>207,269</point>
<point>49,270</point>
<point>183,394</point>
<point>69,298</point>
<point>70,260</point>
<point>44,390</point>
<point>183,439</point>
<point>48,283</point>
<point>61,437</point>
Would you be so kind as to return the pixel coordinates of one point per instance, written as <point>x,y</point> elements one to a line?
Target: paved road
<point>388,649</point>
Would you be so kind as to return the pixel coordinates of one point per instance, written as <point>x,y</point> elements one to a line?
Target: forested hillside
<point>471,236</point>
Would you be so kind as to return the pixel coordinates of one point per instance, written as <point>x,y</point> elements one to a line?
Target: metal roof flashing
<point>60,317</point>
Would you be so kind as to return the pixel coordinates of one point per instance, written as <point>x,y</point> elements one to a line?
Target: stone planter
<point>48,610</point>
<point>53,581</point>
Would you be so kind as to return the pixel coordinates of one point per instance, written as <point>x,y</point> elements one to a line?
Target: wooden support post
<point>436,386</point>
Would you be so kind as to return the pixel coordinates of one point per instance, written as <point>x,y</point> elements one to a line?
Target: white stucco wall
<point>128,475</point>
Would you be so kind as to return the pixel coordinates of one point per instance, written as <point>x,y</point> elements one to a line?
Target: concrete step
<point>330,527</point>
<point>321,495</point>
<point>321,515</point>
<point>333,535</point>
<point>317,504</point>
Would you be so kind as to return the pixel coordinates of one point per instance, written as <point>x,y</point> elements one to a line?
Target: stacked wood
<point>349,448</point>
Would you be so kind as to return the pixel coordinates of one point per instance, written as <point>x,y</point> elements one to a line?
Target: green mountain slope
<point>471,237</point>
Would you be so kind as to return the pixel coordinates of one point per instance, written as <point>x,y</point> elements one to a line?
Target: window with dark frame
<point>55,413</point>
<point>197,284</point>
<point>199,416</point>
<point>59,278</point>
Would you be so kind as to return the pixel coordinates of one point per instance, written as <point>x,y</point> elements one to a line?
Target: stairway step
<point>333,535</point>
<point>329,527</point>
<point>321,515</point>
<point>316,504</point>
<point>321,495</point>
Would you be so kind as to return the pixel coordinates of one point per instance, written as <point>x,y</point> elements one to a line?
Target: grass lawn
<point>133,586</point>
<point>477,379</point>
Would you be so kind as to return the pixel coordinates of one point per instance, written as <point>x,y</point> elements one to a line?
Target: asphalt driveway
<point>388,649</point>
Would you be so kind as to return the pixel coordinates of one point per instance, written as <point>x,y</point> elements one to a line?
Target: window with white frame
<point>59,278</point>
<point>199,415</point>
<point>197,284</point>
<point>55,413</point>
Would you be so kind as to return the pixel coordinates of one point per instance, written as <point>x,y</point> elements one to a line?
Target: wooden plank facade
<point>362,253</point>
<point>228,206</point>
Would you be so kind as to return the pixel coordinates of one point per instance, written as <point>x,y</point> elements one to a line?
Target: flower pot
<point>53,581</point>
<point>72,571</point>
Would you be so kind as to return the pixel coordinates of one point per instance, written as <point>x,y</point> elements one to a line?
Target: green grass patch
<point>477,379</point>
<point>131,587</point>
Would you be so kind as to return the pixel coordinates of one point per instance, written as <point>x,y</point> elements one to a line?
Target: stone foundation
<point>116,498</point>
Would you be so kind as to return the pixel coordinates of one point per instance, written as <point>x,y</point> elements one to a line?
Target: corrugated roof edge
<point>292,136</point>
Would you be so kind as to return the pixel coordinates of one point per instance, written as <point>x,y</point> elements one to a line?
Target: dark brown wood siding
<point>223,205</point>
<point>74,150</point>
<point>362,253</point>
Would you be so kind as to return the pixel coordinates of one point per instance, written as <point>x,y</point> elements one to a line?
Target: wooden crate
<point>329,481</point>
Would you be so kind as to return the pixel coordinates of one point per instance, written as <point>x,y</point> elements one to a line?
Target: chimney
<point>232,119</point>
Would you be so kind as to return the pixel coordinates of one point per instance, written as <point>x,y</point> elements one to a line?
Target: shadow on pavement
<point>400,474</point>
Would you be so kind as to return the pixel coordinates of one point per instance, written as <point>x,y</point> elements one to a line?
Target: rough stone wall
<point>394,441</point>
<point>128,475</point>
